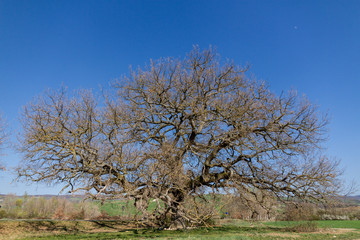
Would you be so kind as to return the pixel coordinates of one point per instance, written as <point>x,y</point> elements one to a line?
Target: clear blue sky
<point>311,46</point>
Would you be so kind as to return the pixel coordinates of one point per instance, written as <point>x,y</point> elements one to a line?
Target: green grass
<point>121,207</point>
<point>322,224</point>
<point>117,208</point>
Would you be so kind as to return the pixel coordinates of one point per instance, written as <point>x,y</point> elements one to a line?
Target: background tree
<point>3,136</point>
<point>175,131</point>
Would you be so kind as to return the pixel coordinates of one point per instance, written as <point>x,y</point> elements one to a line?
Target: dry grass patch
<point>14,229</point>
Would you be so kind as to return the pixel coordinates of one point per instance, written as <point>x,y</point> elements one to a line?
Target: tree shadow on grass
<point>73,226</point>
<point>123,230</point>
<point>141,233</point>
<point>151,232</point>
<point>111,224</point>
<point>49,226</point>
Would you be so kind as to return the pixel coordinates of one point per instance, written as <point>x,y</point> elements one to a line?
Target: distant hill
<point>352,200</point>
<point>357,197</point>
<point>48,196</point>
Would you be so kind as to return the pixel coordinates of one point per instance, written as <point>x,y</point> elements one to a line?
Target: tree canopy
<point>174,131</point>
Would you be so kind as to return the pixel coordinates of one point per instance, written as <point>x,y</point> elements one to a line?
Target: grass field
<point>321,224</point>
<point>121,207</point>
<point>226,229</point>
<point>117,208</point>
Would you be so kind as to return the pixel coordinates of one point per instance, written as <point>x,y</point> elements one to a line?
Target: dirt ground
<point>15,229</point>
<point>31,228</point>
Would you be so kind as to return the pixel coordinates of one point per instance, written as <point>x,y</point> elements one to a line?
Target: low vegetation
<point>26,207</point>
<point>65,217</point>
<point>222,207</point>
<point>224,229</point>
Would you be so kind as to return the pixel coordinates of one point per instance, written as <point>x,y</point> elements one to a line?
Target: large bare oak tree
<point>177,130</point>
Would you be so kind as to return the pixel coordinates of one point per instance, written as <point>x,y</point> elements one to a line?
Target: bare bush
<point>300,211</point>
<point>41,208</point>
<point>304,227</point>
<point>257,205</point>
<point>339,212</point>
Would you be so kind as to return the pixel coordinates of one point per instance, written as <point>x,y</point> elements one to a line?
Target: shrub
<point>41,208</point>
<point>19,203</point>
<point>249,208</point>
<point>59,213</point>
<point>340,213</point>
<point>3,213</point>
<point>304,227</point>
<point>300,212</point>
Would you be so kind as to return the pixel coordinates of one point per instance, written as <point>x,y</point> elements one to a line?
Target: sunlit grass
<point>322,224</point>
